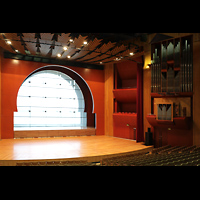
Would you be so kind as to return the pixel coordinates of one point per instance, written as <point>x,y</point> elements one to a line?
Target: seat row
<point>163,156</point>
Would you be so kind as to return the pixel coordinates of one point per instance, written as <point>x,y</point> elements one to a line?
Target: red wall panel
<point>124,124</point>
<point>14,73</point>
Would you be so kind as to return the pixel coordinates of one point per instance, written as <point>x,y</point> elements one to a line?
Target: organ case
<point>172,66</point>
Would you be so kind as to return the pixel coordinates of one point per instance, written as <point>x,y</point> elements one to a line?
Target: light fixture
<point>147,66</point>
<point>85,42</point>
<point>71,40</point>
<point>131,53</point>
<point>16,50</point>
<point>15,61</point>
<point>117,59</point>
<point>65,48</point>
<point>68,56</point>
<point>101,62</point>
<point>59,55</point>
<point>8,42</point>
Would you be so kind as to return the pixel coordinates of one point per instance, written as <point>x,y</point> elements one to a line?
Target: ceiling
<point>92,48</point>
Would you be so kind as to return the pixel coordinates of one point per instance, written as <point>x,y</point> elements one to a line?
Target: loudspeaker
<point>148,137</point>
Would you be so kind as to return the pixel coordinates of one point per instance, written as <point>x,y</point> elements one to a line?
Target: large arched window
<point>47,99</point>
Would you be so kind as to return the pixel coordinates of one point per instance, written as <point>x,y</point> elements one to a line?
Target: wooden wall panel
<point>173,137</point>
<point>109,76</point>
<point>54,133</point>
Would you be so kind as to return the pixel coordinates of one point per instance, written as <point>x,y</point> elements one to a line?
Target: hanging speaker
<point>148,137</point>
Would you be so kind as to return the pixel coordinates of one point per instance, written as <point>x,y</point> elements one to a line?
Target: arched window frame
<point>45,120</point>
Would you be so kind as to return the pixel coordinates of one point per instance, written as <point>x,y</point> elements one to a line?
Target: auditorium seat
<point>163,156</point>
<point>187,148</point>
<point>155,150</point>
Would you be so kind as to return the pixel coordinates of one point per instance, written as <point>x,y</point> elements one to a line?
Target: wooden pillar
<point>196,93</point>
<point>1,58</point>
<point>108,74</point>
<point>146,85</point>
<point>139,103</point>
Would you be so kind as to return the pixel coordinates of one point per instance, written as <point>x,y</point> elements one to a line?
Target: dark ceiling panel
<point>100,47</point>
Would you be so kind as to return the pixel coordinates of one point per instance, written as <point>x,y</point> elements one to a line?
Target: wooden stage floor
<point>91,148</point>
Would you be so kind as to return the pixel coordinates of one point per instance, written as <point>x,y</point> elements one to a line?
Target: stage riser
<point>54,133</point>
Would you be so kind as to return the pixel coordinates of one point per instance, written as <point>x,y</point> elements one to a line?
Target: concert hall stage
<point>90,148</point>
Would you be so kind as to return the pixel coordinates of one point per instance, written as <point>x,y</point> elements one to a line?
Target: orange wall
<point>13,73</point>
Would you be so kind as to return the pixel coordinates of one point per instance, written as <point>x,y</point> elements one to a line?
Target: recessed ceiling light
<point>117,59</point>
<point>65,48</point>
<point>68,56</point>
<point>8,42</point>
<point>59,55</point>
<point>147,67</point>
